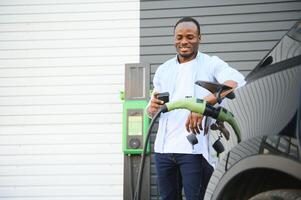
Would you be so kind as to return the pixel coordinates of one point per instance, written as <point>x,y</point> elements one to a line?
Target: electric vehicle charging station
<point>135,126</point>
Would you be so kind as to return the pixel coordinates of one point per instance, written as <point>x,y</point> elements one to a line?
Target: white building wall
<point>61,70</point>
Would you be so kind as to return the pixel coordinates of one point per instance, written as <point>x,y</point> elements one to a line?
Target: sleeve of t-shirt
<point>156,81</point>
<point>223,72</point>
<point>157,88</point>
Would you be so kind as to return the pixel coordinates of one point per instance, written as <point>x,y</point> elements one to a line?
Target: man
<point>173,151</point>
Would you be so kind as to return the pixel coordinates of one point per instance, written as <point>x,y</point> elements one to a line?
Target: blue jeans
<point>195,173</point>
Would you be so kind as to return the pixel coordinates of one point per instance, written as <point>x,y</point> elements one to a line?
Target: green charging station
<point>136,97</point>
<point>135,127</point>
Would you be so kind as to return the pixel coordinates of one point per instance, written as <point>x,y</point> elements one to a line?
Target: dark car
<point>268,112</point>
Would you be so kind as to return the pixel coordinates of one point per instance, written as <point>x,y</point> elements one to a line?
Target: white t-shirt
<point>178,79</point>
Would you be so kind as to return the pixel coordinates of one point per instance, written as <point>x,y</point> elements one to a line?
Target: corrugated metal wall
<point>61,69</point>
<point>241,32</point>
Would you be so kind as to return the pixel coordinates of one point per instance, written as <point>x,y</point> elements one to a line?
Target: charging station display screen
<point>135,124</point>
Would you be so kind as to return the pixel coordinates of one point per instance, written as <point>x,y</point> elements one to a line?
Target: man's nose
<point>184,41</point>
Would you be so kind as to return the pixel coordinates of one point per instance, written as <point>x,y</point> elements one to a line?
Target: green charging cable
<point>203,108</point>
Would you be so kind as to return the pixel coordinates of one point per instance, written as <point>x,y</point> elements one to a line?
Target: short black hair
<point>189,19</point>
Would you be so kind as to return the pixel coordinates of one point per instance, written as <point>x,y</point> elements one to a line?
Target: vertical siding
<point>241,32</point>
<point>61,69</point>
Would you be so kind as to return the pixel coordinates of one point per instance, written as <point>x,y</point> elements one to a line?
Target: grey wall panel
<point>222,28</point>
<point>225,10</point>
<point>213,47</point>
<point>227,56</point>
<point>169,4</point>
<point>226,19</point>
<point>241,32</point>
<point>159,40</point>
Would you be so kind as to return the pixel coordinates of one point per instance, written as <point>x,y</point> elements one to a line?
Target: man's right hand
<point>155,104</point>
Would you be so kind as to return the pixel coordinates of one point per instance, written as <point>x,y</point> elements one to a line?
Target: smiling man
<point>178,163</point>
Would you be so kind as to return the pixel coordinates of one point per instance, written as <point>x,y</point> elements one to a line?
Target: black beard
<point>186,55</point>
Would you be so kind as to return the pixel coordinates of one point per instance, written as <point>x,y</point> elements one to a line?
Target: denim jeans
<point>195,173</point>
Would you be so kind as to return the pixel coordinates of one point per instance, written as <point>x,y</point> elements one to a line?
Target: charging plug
<point>192,139</point>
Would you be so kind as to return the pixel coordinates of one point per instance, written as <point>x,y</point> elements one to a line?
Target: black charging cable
<point>140,173</point>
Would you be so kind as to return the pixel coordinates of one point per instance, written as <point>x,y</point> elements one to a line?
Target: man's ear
<point>200,38</point>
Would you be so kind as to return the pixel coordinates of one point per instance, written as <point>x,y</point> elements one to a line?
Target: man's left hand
<point>194,123</point>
